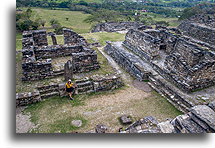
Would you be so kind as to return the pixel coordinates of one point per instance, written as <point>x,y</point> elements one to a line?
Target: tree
<point>43,22</point>
<point>54,21</point>
<point>103,16</point>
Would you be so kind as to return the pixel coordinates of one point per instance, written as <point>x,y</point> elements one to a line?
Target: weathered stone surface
<point>37,55</point>
<point>40,38</point>
<point>186,123</point>
<point>116,26</point>
<point>36,70</point>
<point>85,61</point>
<point>212,105</point>
<point>131,63</point>
<point>188,64</point>
<point>72,38</point>
<point>125,119</point>
<point>54,40</point>
<point>68,70</point>
<point>205,114</point>
<point>166,127</point>
<point>87,85</point>
<point>198,31</point>
<point>26,98</point>
<point>76,123</point>
<point>101,128</point>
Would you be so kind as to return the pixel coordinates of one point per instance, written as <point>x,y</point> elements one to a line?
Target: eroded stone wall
<point>72,38</point>
<point>116,26</point>
<point>189,65</point>
<point>87,85</point>
<point>85,61</point>
<point>127,61</point>
<point>200,119</point>
<point>37,54</point>
<point>198,31</point>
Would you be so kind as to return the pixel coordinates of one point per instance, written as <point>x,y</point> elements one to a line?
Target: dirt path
<point>23,123</point>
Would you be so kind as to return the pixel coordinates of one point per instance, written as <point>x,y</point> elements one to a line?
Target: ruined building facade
<point>177,65</point>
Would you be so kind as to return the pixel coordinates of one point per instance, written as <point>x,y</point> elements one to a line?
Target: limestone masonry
<point>177,65</point>
<point>37,54</point>
<point>95,83</point>
<point>200,119</point>
<point>116,26</point>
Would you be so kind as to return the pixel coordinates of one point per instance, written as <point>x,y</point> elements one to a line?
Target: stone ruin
<point>116,26</point>
<point>92,84</point>
<point>38,55</point>
<point>200,27</point>
<point>179,67</point>
<point>200,119</point>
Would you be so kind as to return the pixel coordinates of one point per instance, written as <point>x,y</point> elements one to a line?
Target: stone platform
<point>142,70</point>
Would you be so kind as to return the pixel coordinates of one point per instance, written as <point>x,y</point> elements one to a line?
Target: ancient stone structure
<point>88,85</point>
<point>68,70</point>
<point>116,26</point>
<point>179,67</point>
<point>27,98</point>
<point>128,61</point>
<point>54,40</point>
<point>72,38</point>
<point>38,55</point>
<point>200,119</point>
<point>200,27</point>
<point>188,65</point>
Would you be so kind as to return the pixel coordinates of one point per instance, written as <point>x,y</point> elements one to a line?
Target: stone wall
<point>145,43</point>
<point>198,31</point>
<point>189,65</point>
<point>37,70</point>
<point>127,61</point>
<point>36,60</point>
<point>56,51</point>
<point>200,119</point>
<point>87,85</point>
<point>85,61</point>
<point>116,26</point>
<point>34,38</point>
<point>26,98</point>
<point>72,38</point>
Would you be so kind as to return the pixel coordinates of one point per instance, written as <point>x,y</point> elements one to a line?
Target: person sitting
<point>70,88</point>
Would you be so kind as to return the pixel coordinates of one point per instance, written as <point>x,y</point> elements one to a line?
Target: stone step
<point>48,90</point>
<point>83,84</point>
<point>51,94</point>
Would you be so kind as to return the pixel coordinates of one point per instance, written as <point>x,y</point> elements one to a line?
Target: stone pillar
<point>68,70</point>
<point>40,38</point>
<point>54,40</point>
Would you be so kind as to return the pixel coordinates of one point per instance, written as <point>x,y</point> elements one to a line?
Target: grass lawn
<point>102,37</point>
<point>75,19</point>
<point>54,115</point>
<point>173,22</point>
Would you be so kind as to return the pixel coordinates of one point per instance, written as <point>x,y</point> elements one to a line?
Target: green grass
<point>102,37</point>
<point>52,117</point>
<point>75,19</point>
<point>18,41</point>
<point>163,105</point>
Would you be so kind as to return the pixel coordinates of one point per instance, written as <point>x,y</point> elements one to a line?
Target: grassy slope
<point>74,22</point>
